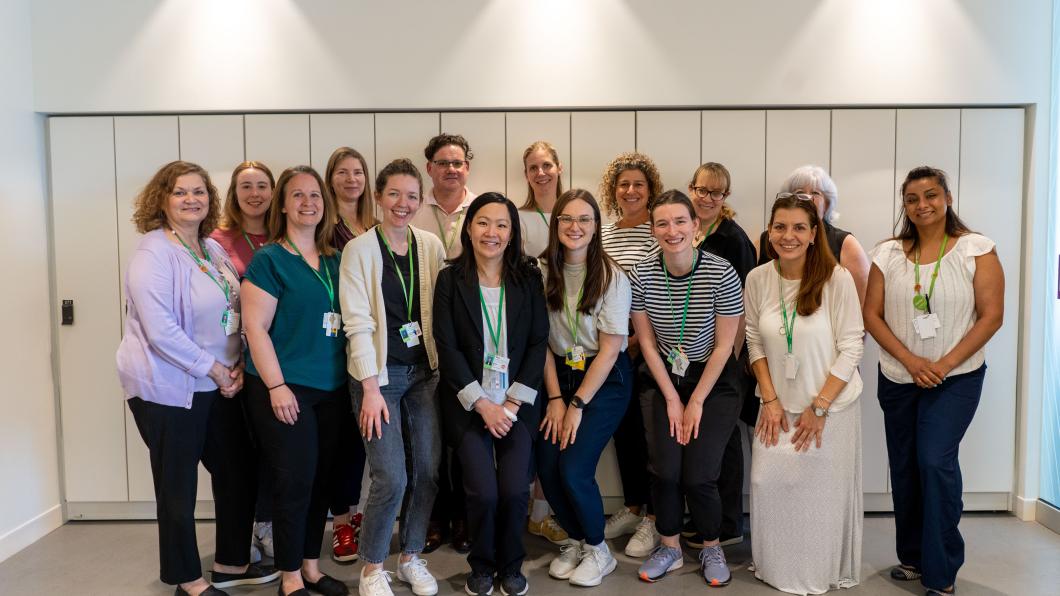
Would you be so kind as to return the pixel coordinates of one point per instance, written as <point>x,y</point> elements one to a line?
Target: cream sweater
<point>363,310</point>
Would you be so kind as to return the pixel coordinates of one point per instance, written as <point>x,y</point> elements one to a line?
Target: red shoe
<point>357,519</point>
<point>344,543</point>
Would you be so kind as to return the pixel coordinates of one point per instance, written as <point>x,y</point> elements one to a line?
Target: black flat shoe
<point>327,585</point>
<point>211,591</point>
<point>255,574</point>
<point>298,592</point>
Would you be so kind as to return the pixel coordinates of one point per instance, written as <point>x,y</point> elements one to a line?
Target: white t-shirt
<point>609,315</point>
<point>827,342</point>
<point>953,301</point>
<point>535,231</point>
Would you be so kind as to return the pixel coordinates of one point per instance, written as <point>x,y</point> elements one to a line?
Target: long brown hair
<point>365,205</point>
<point>954,226</point>
<point>278,219</point>
<point>149,214</point>
<point>599,267</point>
<point>232,217</point>
<point>820,262</point>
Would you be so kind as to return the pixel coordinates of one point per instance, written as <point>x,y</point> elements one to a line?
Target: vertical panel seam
<point>309,126</point>
<point>765,171</point>
<point>180,149</point>
<point>244,119</point>
<point>960,155</point>
<point>117,242</point>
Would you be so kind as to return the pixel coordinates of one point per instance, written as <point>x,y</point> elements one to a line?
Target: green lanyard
<point>789,328</point>
<point>253,249</point>
<point>920,301</point>
<point>323,265</point>
<point>448,238</point>
<point>494,335</point>
<point>407,291</point>
<point>222,283</point>
<point>688,295</point>
<point>572,316</point>
<point>542,214</point>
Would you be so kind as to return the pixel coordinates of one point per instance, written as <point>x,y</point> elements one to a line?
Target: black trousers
<point>730,481</point>
<point>349,470</point>
<point>631,448</point>
<point>302,458</point>
<point>497,475</point>
<point>690,472</point>
<point>450,504</point>
<point>213,431</point>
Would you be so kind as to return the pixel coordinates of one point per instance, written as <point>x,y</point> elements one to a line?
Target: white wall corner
<point>30,531</point>
<point>1025,509</point>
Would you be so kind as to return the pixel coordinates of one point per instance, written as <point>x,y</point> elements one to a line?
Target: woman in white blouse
<point>544,184</point>
<point>935,297</point>
<point>804,336</point>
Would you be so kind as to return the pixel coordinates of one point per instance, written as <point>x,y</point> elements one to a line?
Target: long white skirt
<point>806,508</point>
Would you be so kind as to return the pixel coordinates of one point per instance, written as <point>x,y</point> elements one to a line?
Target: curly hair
<point>149,206</point>
<point>439,141</point>
<point>232,218</point>
<point>628,161</point>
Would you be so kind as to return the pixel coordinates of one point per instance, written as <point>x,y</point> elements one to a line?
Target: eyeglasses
<point>583,220</point>
<point>456,164</point>
<point>798,195</point>
<point>704,192</point>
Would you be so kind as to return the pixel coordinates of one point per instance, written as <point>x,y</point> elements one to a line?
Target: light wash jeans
<point>404,462</point>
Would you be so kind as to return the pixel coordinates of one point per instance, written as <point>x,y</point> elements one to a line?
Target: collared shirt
<point>446,226</point>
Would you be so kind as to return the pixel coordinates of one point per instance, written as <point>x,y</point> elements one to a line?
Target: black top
<point>836,237</point>
<point>396,313</point>
<point>731,243</point>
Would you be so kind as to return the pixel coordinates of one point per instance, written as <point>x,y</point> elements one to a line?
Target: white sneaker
<point>376,583</point>
<point>263,537</point>
<point>564,565</point>
<point>644,540</point>
<point>621,523</point>
<point>415,574</point>
<point>596,563</point>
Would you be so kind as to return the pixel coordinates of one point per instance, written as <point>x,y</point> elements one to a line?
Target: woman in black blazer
<point>491,328</point>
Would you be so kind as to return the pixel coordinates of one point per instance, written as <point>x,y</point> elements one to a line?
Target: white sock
<point>540,511</point>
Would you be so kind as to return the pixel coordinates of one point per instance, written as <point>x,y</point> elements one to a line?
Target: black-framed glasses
<point>798,195</point>
<point>704,192</point>
<point>583,220</point>
<point>456,164</point>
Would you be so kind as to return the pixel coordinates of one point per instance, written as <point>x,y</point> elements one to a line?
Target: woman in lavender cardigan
<point>179,364</point>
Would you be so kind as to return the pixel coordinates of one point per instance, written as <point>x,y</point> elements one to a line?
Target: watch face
<point>819,411</point>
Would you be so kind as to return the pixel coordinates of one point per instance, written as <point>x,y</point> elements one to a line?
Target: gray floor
<point>1004,556</point>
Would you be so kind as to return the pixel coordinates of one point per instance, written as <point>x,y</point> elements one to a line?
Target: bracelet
<point>768,402</point>
<point>514,403</point>
<point>555,398</point>
<point>277,386</point>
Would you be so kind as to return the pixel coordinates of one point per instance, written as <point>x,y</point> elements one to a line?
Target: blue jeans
<point>568,477</point>
<point>924,429</point>
<point>404,462</point>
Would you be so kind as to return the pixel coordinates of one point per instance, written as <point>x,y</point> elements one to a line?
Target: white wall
<point>29,476</point>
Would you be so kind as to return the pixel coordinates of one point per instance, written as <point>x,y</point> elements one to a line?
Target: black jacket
<point>458,334</point>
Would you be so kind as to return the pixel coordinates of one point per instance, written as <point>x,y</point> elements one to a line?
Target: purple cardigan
<point>158,361</point>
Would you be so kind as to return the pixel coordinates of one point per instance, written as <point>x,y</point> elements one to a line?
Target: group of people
<point>477,349</point>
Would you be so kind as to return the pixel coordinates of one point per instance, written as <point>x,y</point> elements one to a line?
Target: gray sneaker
<point>660,561</point>
<point>715,571</point>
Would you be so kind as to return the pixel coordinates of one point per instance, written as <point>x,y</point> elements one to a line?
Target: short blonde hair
<point>149,213</point>
<point>628,161</point>
<point>719,173</point>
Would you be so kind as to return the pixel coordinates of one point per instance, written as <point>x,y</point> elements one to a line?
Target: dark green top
<point>307,356</point>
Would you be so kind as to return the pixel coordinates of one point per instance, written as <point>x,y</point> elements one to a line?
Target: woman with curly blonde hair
<point>630,183</point>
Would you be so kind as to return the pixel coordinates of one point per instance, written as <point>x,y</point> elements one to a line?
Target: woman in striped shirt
<point>688,347</point>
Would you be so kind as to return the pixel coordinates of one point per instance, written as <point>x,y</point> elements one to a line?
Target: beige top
<point>444,226</point>
<point>363,309</point>
<point>535,231</point>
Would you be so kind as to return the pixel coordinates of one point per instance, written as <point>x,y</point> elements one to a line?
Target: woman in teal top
<point>296,371</point>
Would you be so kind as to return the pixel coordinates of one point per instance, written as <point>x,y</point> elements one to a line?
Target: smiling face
<point>188,202</point>
<point>631,193</point>
<point>926,202</point>
<point>399,200</point>
<point>578,233</point>
<point>791,234</point>
<point>542,173</point>
<point>673,227</point>
<point>708,208</point>
<point>253,193</point>
<point>348,180</point>
<point>490,231</point>
<point>448,178</point>
<point>303,202</point>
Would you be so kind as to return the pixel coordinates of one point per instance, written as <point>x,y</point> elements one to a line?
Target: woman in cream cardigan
<point>386,284</point>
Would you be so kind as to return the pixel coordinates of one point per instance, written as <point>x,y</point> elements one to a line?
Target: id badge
<point>576,358</point>
<point>791,366</point>
<point>497,363</point>
<point>925,325</point>
<point>332,323</point>
<point>230,321</point>
<point>410,334</point>
<point>678,362</point>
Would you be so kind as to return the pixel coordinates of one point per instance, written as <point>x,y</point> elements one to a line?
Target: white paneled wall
<point>99,163</point>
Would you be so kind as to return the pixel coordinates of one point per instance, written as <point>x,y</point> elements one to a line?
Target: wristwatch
<point>577,402</point>
<point>819,411</point>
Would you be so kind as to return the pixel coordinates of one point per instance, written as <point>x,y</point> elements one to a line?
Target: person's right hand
<point>220,375</point>
<point>922,371</point>
<point>284,404</point>
<point>374,414</point>
<point>497,422</point>
<point>675,413</point>
<point>771,420</point>
<point>552,421</point>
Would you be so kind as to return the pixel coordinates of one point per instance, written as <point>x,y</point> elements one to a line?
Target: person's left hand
<point>690,422</point>
<point>809,428</point>
<point>571,421</point>
<point>236,375</point>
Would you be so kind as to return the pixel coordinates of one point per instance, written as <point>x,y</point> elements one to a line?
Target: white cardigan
<point>363,308</point>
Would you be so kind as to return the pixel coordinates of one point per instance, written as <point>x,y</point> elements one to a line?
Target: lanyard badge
<point>410,332</point>
<point>332,320</point>
<point>676,357</point>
